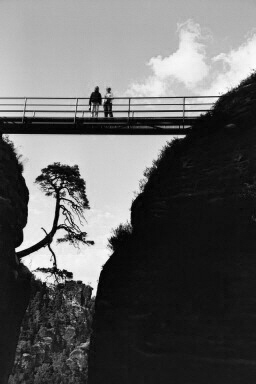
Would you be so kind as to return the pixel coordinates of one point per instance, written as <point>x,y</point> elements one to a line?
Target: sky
<point>63,48</point>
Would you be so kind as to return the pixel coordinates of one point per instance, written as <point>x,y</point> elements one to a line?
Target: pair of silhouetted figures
<point>96,100</point>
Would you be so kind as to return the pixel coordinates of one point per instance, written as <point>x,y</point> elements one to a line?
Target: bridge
<point>131,115</point>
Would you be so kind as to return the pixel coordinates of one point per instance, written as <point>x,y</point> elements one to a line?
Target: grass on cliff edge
<point>9,145</point>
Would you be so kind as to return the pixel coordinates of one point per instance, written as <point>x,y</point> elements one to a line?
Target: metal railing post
<point>183,118</point>
<point>76,110</point>
<point>24,110</point>
<point>129,111</point>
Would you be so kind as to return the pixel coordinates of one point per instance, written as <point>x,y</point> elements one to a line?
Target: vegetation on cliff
<point>65,184</point>
<point>120,236</point>
<point>55,335</point>
<point>8,143</point>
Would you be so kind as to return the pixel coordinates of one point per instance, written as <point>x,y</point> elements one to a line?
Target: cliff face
<point>55,335</point>
<point>177,302</point>
<point>14,282</point>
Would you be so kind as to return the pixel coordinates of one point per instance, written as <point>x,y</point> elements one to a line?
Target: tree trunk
<point>48,238</point>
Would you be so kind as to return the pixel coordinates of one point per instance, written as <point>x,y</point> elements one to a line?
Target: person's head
<point>108,89</point>
<point>96,89</point>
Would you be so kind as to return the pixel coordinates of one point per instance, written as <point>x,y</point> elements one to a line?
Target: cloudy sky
<point>139,47</point>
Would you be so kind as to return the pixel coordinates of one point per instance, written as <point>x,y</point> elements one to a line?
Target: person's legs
<point>105,110</point>
<point>93,109</point>
<point>97,109</point>
<point>110,110</point>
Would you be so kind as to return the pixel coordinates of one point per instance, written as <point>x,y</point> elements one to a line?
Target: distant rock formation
<point>14,281</point>
<point>176,303</point>
<point>55,335</point>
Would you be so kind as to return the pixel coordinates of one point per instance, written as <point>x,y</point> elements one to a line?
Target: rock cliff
<point>14,282</point>
<point>55,335</point>
<point>177,300</point>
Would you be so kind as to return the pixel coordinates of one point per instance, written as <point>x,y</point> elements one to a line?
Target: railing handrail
<point>115,97</point>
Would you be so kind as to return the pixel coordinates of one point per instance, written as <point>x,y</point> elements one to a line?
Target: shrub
<point>120,236</point>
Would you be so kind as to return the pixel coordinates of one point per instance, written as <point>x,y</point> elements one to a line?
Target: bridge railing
<point>123,107</point>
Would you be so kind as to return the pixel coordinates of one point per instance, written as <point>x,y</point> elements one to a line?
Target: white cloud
<point>187,65</point>
<point>236,65</point>
<point>191,70</point>
<point>153,86</point>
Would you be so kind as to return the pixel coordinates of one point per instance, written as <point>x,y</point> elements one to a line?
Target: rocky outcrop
<point>14,282</point>
<point>55,335</point>
<point>177,302</point>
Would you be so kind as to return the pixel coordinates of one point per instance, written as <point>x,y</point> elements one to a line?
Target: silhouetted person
<point>108,103</point>
<point>95,102</point>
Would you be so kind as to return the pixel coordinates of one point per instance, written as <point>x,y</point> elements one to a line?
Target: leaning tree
<point>64,183</point>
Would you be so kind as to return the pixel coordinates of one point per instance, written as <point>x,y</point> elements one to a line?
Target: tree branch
<point>48,238</point>
<point>53,254</point>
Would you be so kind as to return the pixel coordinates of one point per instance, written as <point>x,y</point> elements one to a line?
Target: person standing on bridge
<point>108,103</point>
<point>94,102</point>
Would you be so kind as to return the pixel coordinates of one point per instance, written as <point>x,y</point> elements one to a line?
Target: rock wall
<point>14,282</point>
<point>55,335</point>
<point>177,302</point>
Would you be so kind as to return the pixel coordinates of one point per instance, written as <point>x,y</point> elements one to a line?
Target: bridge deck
<point>130,126</point>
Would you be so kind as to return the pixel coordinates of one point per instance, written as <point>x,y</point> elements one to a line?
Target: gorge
<point>176,301</point>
